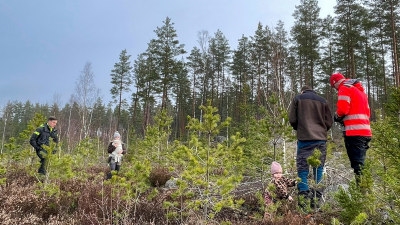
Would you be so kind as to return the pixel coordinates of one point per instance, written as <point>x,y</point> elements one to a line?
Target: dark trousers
<point>356,147</point>
<point>113,166</point>
<point>304,150</point>
<point>42,154</point>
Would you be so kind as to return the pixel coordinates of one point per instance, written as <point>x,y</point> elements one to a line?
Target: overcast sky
<point>45,44</point>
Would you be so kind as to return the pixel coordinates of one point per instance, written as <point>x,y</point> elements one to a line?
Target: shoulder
<point>312,95</point>
<point>40,128</point>
<point>296,99</point>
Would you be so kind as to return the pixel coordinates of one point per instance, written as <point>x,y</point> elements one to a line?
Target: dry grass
<point>92,200</point>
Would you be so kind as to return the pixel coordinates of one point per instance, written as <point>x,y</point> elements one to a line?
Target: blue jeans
<point>304,150</point>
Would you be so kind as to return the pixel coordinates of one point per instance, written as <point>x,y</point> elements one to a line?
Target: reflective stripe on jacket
<point>353,105</point>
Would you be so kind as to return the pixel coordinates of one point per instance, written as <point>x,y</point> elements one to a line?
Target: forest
<point>203,125</point>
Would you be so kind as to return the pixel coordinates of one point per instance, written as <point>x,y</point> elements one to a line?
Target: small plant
<point>358,200</point>
<point>314,161</point>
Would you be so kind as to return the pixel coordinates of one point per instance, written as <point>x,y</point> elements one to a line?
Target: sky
<point>45,44</point>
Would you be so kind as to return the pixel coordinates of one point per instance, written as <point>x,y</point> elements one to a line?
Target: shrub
<point>159,176</point>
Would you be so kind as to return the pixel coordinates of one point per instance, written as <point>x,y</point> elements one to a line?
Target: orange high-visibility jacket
<point>353,105</point>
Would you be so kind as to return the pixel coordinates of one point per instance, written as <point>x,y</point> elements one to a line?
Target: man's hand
<point>338,119</point>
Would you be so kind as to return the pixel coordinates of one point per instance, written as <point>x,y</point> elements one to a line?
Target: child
<point>117,153</point>
<point>281,185</point>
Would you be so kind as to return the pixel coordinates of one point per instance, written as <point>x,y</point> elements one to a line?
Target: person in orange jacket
<point>353,113</point>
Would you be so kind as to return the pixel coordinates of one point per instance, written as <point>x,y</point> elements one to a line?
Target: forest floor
<point>26,200</point>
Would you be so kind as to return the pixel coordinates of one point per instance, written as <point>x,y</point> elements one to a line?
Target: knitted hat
<point>276,168</point>
<point>336,79</point>
<point>116,134</point>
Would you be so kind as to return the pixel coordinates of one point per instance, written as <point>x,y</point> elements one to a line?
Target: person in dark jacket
<point>353,113</point>
<point>41,137</point>
<point>311,117</point>
<point>116,150</point>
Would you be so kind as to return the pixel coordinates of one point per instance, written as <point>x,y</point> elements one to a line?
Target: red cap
<point>336,79</point>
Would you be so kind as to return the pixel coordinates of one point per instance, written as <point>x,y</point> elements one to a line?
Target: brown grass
<point>92,200</point>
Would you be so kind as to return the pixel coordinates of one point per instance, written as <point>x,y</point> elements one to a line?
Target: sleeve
<point>110,148</point>
<point>328,117</point>
<point>293,114</point>
<point>55,136</point>
<point>343,103</point>
<point>290,182</point>
<point>33,139</point>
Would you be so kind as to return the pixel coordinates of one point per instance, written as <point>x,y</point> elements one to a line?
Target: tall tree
<point>326,63</point>
<point>219,53</point>
<point>147,83</point>
<point>182,102</point>
<point>99,118</point>
<point>259,59</point>
<point>207,72</point>
<point>241,74</point>
<point>306,35</point>
<point>166,52</point>
<point>195,65</point>
<point>279,55</point>
<point>349,36</point>
<point>121,79</point>
<point>85,96</point>
<point>386,15</point>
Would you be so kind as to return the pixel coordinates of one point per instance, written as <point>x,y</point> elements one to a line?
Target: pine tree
<point>241,73</point>
<point>121,79</point>
<point>165,51</point>
<point>260,60</point>
<point>210,171</point>
<point>195,66</point>
<point>349,36</point>
<point>219,53</point>
<point>306,36</point>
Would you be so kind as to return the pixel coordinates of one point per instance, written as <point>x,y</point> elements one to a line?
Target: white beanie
<point>116,134</point>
